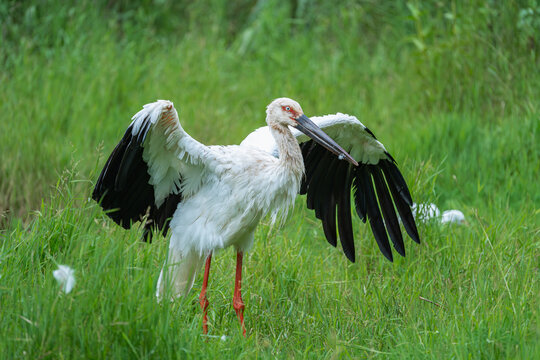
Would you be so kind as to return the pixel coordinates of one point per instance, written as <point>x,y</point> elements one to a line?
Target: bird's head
<point>283,111</point>
<point>287,112</point>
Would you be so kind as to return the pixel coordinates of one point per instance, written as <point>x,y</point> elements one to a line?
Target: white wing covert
<point>144,173</point>
<point>378,186</point>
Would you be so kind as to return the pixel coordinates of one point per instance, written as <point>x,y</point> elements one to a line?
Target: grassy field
<point>452,90</point>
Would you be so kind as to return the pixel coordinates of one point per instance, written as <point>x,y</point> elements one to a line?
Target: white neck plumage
<point>290,155</point>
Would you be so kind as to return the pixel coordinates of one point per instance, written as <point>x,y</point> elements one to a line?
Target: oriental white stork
<point>213,197</point>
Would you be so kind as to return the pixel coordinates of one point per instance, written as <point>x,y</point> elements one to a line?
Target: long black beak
<point>309,128</point>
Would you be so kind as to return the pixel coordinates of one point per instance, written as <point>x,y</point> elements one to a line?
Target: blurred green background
<point>451,88</point>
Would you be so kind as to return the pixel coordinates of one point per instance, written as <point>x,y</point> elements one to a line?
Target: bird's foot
<point>239,306</point>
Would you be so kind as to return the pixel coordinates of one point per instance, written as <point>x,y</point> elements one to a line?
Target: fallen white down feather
<point>453,216</point>
<point>65,277</point>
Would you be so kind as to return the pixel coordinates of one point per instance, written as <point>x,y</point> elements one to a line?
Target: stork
<point>213,197</point>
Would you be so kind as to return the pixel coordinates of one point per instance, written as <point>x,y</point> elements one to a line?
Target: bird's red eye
<point>286,108</point>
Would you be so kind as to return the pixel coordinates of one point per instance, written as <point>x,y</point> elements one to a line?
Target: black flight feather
<point>402,204</point>
<point>344,213</point>
<point>326,206</point>
<point>388,211</point>
<point>394,175</point>
<point>374,215</point>
<point>316,180</point>
<point>359,196</point>
<point>128,165</point>
<point>329,221</point>
<point>311,162</point>
<point>325,187</point>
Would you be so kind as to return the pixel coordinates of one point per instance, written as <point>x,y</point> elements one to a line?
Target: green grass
<point>451,90</point>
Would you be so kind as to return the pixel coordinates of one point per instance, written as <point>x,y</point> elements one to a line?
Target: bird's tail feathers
<point>178,274</point>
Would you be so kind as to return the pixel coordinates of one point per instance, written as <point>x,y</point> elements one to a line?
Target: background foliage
<point>450,87</point>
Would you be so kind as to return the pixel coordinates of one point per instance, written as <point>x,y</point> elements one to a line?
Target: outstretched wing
<point>143,175</point>
<point>378,186</point>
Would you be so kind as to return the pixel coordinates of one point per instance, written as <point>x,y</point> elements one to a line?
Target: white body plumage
<point>227,207</point>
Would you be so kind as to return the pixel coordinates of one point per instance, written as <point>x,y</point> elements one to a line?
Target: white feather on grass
<point>65,277</point>
<point>453,216</point>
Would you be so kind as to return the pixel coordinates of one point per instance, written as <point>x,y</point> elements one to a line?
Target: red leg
<point>202,298</point>
<point>238,304</point>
